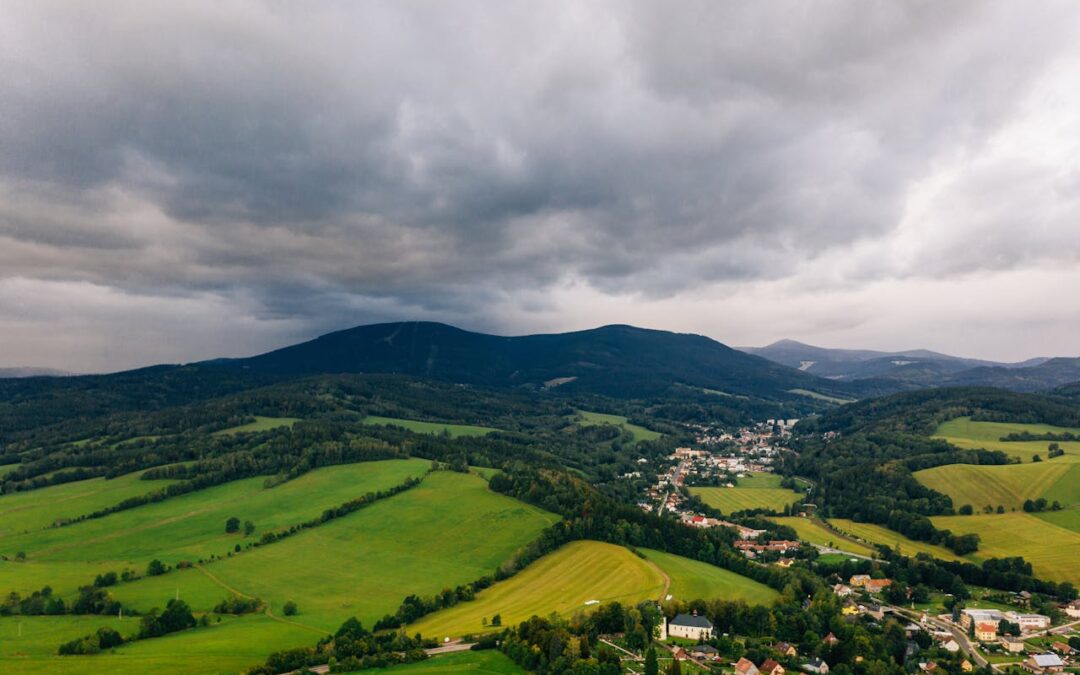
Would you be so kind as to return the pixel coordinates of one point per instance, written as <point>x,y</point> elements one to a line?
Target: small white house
<point>690,626</point>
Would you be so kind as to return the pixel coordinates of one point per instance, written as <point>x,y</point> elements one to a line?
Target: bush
<point>290,608</point>
<point>156,568</point>
<point>232,525</point>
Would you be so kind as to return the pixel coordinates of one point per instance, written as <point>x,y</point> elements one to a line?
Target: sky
<point>188,180</point>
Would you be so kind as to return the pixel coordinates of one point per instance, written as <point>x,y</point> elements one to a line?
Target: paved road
<point>450,648</point>
<point>959,635</point>
<point>827,549</point>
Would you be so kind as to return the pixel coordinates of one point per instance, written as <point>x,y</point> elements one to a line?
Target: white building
<point>690,626</point>
<point>1028,622</point>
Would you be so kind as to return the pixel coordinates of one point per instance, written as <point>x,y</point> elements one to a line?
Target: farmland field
<point>754,491</point>
<point>965,433</point>
<point>453,430</point>
<point>260,424</point>
<point>1051,550</point>
<point>639,433</point>
<point>692,579</point>
<point>1007,485</point>
<point>812,532</point>
<point>876,534</point>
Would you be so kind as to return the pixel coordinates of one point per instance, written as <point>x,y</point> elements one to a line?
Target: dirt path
<point>212,577</point>
<point>667,580</point>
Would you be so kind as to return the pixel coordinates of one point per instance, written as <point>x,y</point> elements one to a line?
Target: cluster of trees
<point>104,638</point>
<point>349,649</point>
<point>239,605</point>
<point>1040,504</point>
<point>232,526</point>
<point>38,603</point>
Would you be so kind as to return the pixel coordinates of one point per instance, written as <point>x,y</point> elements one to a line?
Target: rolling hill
<point>618,360</point>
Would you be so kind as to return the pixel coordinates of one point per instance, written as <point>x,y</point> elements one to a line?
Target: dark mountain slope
<point>614,360</point>
<point>1048,375</point>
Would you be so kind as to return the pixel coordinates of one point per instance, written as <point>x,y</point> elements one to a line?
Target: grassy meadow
<point>1007,485</point>
<point>487,662</point>
<point>437,428</point>
<point>963,432</point>
<point>260,424</point>
<point>692,579</point>
<point>877,534</point>
<point>813,532</point>
<point>1052,550</point>
<point>753,491</point>
<point>639,433</point>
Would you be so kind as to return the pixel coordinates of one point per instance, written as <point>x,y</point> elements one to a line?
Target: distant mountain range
<point>919,368</point>
<point>611,360</point>
<point>10,373</point>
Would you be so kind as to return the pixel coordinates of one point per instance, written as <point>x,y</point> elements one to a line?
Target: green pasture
<point>640,433</point>
<point>449,530</point>
<point>1053,551</point>
<point>963,432</point>
<point>813,532</point>
<point>753,491</point>
<point>1007,485</point>
<point>35,509</point>
<point>187,527</point>
<point>562,582</point>
<point>437,428</point>
<point>821,397</point>
<point>692,579</point>
<point>877,534</point>
<point>260,424</point>
<point>487,662</point>
<point>1070,519</point>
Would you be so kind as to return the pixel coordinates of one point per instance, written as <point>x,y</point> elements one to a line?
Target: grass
<point>561,582</point>
<point>437,428</point>
<point>821,397</point>
<point>754,491</point>
<point>812,531</point>
<point>640,433</point>
<point>1051,549</point>
<point>188,527</point>
<point>1070,520</point>
<point>965,433</point>
<point>5,469</point>
<point>876,534</point>
<point>260,424</point>
<point>1007,485</point>
<point>449,530</point>
<point>489,661</point>
<point>692,580</point>
<point>35,509</point>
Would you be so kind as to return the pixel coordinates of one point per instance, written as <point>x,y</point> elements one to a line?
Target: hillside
<point>621,361</point>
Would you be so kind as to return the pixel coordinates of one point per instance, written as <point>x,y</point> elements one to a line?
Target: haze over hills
<point>918,368</point>
<point>10,373</point>
<point>614,360</point>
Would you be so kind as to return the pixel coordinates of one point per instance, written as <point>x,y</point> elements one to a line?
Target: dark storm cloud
<point>342,161</point>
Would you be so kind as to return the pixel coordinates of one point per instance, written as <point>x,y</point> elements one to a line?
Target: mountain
<point>615,360</point>
<point>12,373</point>
<point>915,368</point>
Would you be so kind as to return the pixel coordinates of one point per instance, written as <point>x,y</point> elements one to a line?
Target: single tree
<point>249,527</point>
<point>290,608</point>
<point>651,666</point>
<point>156,568</point>
<point>232,525</point>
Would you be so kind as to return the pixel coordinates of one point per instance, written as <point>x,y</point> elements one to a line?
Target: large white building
<point>690,626</point>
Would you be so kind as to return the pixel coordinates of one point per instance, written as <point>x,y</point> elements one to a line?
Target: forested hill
<point>621,361</point>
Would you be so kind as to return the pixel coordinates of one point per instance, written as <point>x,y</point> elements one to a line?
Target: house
<point>680,654</point>
<point>1013,645</point>
<point>785,562</point>
<point>1045,663</point>
<point>690,626</point>
<point>850,608</point>
<point>842,590</point>
<point>745,666</point>
<point>970,616</point>
<point>859,580</point>
<point>872,610</point>
<point>877,585</point>
<point>951,646</point>
<point>785,649</point>
<point>1072,609</point>
<point>831,640</point>
<point>1028,622</point>
<point>966,666</point>
<point>816,666</point>
<point>986,632</point>
<point>771,667</point>
<point>707,652</point>
<point>1062,648</point>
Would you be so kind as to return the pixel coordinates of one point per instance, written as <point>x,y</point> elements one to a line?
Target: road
<point>450,648</point>
<point>959,635</point>
<point>827,549</point>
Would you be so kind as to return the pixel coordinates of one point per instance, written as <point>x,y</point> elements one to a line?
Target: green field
<point>754,491</point>
<point>877,534</point>
<point>489,661</point>
<point>437,428</point>
<point>1053,551</point>
<point>821,397</point>
<point>1007,485</point>
<point>965,433</point>
<point>815,533</point>
<point>586,418</point>
<point>692,580</point>
<point>188,527</point>
<point>35,509</point>
<point>260,424</point>
<point>449,530</point>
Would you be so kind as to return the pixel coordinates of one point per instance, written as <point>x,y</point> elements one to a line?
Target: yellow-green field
<point>487,662</point>
<point>965,433</point>
<point>260,424</point>
<point>437,428</point>
<point>811,531</point>
<point>639,433</point>
<point>1007,485</point>
<point>755,491</point>
<point>585,571</point>
<point>1053,551</point>
<point>876,534</point>
<point>692,580</point>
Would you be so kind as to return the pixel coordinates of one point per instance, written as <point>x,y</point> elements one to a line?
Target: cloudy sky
<point>185,180</point>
